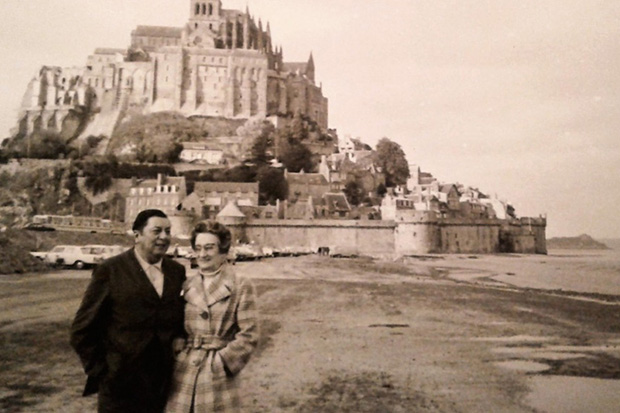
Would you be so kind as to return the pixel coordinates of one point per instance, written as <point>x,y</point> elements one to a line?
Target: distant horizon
<point>518,99</point>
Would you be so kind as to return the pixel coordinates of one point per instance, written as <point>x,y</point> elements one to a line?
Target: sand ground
<point>450,333</point>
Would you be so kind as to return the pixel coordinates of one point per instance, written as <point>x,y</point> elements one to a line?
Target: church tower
<point>205,14</point>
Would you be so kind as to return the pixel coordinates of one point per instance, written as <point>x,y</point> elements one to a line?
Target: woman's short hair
<point>219,230</point>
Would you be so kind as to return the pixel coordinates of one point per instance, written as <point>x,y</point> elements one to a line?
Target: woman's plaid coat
<point>222,332</point>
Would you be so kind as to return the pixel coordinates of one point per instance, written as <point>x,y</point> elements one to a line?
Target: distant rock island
<point>581,242</point>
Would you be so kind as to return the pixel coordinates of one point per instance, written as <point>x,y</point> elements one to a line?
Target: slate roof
<point>202,188</point>
<point>446,188</point>
<point>158,31</point>
<point>152,183</point>
<point>336,201</point>
<point>306,179</point>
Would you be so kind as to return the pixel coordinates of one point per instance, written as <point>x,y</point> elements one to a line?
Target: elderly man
<point>130,314</point>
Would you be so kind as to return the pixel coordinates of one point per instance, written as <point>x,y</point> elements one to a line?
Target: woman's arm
<point>237,353</point>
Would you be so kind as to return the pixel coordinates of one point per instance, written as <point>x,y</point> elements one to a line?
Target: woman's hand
<point>178,345</point>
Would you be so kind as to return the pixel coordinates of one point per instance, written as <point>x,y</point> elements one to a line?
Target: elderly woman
<point>221,327</point>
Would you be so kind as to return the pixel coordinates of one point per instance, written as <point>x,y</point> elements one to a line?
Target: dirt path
<point>345,335</point>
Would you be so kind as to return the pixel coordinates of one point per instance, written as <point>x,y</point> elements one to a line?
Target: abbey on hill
<point>221,63</point>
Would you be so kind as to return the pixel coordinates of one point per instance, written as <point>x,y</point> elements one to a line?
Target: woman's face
<point>207,249</point>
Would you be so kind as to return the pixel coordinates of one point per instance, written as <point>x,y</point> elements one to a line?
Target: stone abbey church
<point>222,63</point>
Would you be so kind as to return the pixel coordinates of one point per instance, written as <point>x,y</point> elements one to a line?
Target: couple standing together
<point>151,339</point>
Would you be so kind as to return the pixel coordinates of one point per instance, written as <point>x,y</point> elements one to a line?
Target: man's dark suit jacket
<point>121,315</point>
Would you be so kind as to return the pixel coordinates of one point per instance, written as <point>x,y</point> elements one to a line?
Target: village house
<point>334,205</point>
<point>165,193</point>
<point>202,152</point>
<point>302,185</point>
<point>302,208</point>
<point>209,198</point>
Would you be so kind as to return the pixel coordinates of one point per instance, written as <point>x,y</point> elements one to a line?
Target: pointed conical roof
<point>231,210</point>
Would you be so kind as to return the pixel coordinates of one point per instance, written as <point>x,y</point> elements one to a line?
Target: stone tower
<point>205,14</point>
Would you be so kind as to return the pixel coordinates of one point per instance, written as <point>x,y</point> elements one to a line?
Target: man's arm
<point>89,325</point>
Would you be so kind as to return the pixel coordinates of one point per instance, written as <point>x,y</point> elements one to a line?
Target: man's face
<point>154,239</point>
<point>208,256</point>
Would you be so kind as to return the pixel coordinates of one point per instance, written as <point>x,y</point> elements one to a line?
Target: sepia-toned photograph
<point>268,206</point>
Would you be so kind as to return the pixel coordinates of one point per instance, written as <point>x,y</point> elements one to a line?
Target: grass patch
<point>34,363</point>
<point>599,365</point>
<point>367,392</point>
<point>268,328</point>
<point>368,265</point>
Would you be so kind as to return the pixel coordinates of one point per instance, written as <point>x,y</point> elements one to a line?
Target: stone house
<point>209,198</point>
<point>302,185</point>
<point>334,205</point>
<point>165,193</point>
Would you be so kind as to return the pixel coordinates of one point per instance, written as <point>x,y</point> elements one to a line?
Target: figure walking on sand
<point>221,327</point>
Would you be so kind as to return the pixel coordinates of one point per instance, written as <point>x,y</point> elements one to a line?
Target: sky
<point>520,99</point>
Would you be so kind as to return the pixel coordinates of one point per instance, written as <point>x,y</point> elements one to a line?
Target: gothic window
<point>197,11</point>
<point>210,11</point>
<point>204,8</point>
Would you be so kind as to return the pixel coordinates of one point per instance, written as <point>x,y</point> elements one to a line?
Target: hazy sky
<point>518,98</point>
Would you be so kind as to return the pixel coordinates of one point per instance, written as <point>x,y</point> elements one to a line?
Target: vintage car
<point>180,251</point>
<point>72,256</point>
<point>245,252</point>
<point>108,251</point>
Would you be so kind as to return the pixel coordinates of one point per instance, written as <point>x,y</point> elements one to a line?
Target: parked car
<point>109,251</point>
<point>72,255</point>
<point>245,252</point>
<point>338,251</point>
<point>180,251</point>
<point>268,252</point>
<point>38,227</point>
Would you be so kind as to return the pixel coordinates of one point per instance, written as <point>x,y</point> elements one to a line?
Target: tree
<point>298,128</point>
<point>353,192</point>
<point>89,145</point>
<point>296,156</point>
<point>381,190</point>
<point>154,137</point>
<point>99,175</point>
<point>240,173</point>
<point>252,130</point>
<point>262,143</point>
<point>271,185</point>
<point>392,161</point>
<point>137,55</point>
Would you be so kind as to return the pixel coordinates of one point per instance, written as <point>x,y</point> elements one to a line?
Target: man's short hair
<point>142,218</point>
<point>213,227</point>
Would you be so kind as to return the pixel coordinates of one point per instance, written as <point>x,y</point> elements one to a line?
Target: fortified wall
<point>424,233</point>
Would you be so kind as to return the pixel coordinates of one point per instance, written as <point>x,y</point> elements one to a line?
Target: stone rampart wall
<point>361,237</point>
<point>467,236</point>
